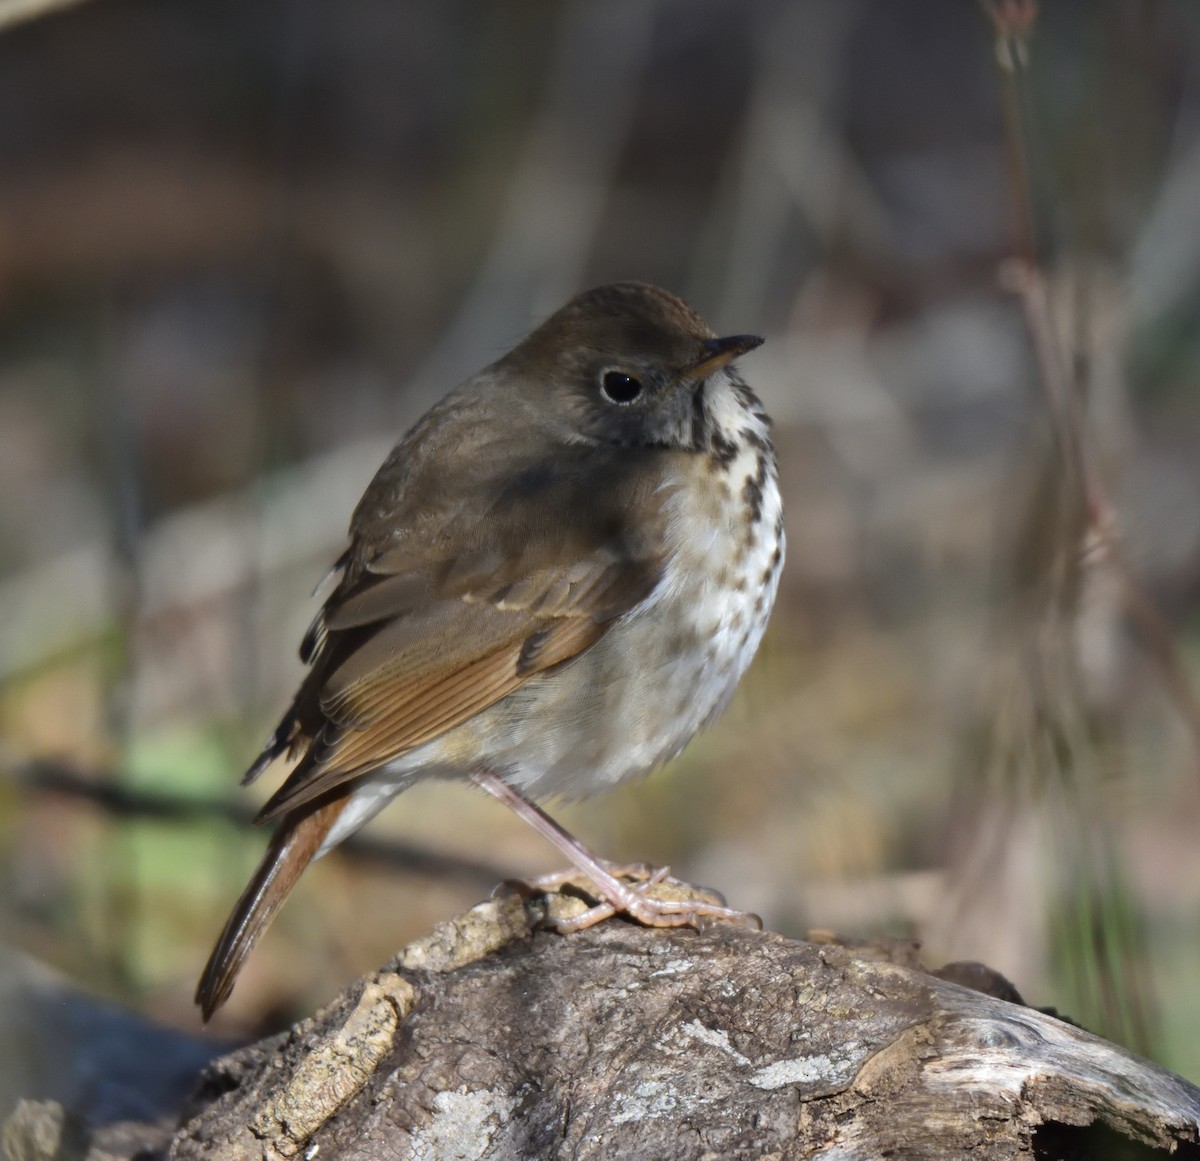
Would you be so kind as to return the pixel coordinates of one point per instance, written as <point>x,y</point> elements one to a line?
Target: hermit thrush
<point>555,579</point>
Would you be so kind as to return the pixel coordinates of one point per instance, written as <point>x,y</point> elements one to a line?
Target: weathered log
<point>493,1038</point>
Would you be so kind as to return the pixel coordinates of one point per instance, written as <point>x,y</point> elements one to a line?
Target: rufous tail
<point>292,848</point>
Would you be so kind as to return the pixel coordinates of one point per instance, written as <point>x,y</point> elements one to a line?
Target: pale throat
<point>731,408</point>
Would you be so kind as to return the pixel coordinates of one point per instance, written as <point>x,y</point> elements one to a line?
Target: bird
<point>555,579</point>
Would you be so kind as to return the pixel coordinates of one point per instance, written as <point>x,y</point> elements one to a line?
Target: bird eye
<point>617,387</point>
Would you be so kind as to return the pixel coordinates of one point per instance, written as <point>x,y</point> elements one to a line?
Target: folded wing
<point>425,632</point>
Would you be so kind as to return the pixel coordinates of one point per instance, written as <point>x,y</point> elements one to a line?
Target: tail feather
<point>292,848</point>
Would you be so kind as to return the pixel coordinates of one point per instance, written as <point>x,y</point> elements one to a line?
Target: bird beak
<point>720,352</point>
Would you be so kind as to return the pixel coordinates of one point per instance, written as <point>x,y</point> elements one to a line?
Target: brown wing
<point>441,618</point>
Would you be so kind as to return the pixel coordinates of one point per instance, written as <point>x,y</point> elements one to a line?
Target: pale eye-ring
<point>619,387</point>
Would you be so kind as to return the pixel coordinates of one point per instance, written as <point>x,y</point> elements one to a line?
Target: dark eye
<point>618,387</point>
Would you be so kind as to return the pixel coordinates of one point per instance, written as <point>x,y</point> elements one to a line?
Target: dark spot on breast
<point>724,450</point>
<point>752,495</point>
<point>756,440</point>
<point>752,490</point>
<point>776,557</point>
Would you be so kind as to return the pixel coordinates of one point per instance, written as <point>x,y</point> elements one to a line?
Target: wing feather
<point>436,620</point>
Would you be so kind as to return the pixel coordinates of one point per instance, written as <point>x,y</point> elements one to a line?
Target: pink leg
<point>617,896</point>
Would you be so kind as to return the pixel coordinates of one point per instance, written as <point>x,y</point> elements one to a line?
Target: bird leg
<point>638,872</point>
<point>616,896</point>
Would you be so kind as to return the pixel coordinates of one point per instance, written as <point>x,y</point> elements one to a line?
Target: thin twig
<point>1013,22</point>
<point>110,795</point>
<point>1112,961</point>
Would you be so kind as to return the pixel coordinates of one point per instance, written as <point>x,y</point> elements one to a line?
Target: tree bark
<point>494,1038</point>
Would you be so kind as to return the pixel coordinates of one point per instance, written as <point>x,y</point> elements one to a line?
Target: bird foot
<point>572,877</point>
<point>648,895</point>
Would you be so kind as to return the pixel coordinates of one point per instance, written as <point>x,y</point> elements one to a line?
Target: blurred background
<point>243,246</point>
